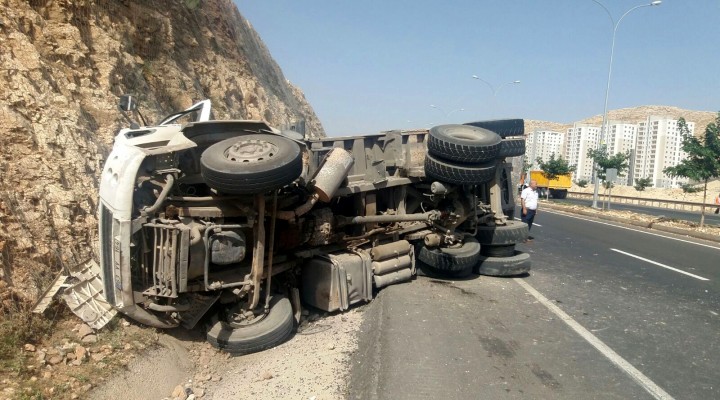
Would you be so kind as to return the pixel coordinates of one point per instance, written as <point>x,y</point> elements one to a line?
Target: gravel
<point>313,364</point>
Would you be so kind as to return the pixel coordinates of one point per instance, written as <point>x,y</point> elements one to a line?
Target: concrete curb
<point>668,229</point>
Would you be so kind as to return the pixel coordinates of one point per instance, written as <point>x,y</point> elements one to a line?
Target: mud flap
<point>85,297</point>
<point>60,283</point>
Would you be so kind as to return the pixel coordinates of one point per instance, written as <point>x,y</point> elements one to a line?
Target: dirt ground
<point>311,365</point>
<point>659,193</point>
<point>180,365</point>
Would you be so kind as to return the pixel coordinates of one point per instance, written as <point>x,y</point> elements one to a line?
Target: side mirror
<point>127,103</point>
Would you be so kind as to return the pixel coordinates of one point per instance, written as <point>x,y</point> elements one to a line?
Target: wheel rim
<point>251,151</point>
<point>239,320</point>
<point>463,136</point>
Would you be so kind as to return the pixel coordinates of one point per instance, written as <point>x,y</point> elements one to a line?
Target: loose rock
<point>179,393</point>
<point>54,360</point>
<point>84,330</point>
<point>80,353</point>
<point>89,339</point>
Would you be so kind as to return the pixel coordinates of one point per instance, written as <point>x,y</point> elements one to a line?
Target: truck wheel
<point>504,250</point>
<point>502,235</point>
<point>558,193</point>
<point>273,329</point>
<point>518,264</point>
<point>462,143</point>
<point>512,147</point>
<point>439,273</point>
<point>251,164</point>
<point>458,174</point>
<point>451,261</point>
<point>503,127</point>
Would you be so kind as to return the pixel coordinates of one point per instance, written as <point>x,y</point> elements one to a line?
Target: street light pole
<point>493,88</point>
<point>604,127</point>
<point>447,115</point>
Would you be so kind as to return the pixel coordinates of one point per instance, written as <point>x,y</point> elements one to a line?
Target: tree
<point>582,183</point>
<point>703,157</point>
<point>642,183</point>
<point>690,188</point>
<point>554,167</point>
<point>619,161</point>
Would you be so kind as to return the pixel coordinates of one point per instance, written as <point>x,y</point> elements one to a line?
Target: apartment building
<point>578,140</point>
<point>621,138</point>
<point>658,146</point>
<point>543,144</point>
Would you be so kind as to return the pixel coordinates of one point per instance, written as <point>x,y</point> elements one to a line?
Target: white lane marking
<point>534,224</point>
<point>650,386</point>
<point>631,229</point>
<point>660,265</point>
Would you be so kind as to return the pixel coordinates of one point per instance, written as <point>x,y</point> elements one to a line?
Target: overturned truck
<point>239,224</point>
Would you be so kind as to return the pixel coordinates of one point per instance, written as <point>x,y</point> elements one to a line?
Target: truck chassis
<point>240,224</point>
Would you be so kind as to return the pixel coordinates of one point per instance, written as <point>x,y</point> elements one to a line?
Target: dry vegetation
<point>56,356</point>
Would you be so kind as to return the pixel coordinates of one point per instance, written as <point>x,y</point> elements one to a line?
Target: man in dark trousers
<point>529,202</point>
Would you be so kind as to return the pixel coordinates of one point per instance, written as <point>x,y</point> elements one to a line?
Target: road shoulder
<point>648,222</point>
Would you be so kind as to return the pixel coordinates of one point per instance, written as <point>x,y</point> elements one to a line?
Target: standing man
<point>529,202</point>
<point>717,203</point>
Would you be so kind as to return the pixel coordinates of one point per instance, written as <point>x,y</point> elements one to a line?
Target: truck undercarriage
<point>242,224</point>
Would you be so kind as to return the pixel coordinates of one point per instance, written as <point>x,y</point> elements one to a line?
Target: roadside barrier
<point>659,203</point>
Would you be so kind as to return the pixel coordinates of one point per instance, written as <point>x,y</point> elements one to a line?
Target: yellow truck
<point>557,187</point>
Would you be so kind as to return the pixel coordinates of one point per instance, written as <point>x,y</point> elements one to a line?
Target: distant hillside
<point>532,125</point>
<point>632,115</point>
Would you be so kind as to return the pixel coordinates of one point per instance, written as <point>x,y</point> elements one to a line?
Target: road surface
<point>606,313</point>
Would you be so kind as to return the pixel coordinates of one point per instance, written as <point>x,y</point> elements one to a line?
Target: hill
<point>65,63</point>
<point>632,115</point>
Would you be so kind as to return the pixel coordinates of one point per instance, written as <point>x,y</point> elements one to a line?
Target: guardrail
<point>658,203</point>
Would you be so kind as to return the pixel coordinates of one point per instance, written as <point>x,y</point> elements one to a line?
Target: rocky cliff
<point>63,65</point>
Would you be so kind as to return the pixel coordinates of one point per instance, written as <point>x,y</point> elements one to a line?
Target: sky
<point>370,66</point>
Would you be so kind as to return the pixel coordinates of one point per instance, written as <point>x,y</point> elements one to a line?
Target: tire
<point>505,250</point>
<point>274,329</point>
<point>518,264</point>
<point>462,143</point>
<point>502,235</point>
<point>558,193</point>
<point>458,174</point>
<point>451,259</point>
<point>433,272</point>
<point>513,147</point>
<point>503,127</point>
<point>251,164</point>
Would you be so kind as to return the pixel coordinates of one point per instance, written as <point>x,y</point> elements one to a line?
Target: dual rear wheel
<point>491,252</point>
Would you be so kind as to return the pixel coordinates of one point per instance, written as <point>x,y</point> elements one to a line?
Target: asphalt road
<point>596,318</point>
<point>692,216</point>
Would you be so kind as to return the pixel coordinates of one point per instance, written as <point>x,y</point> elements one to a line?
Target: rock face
<point>63,65</point>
